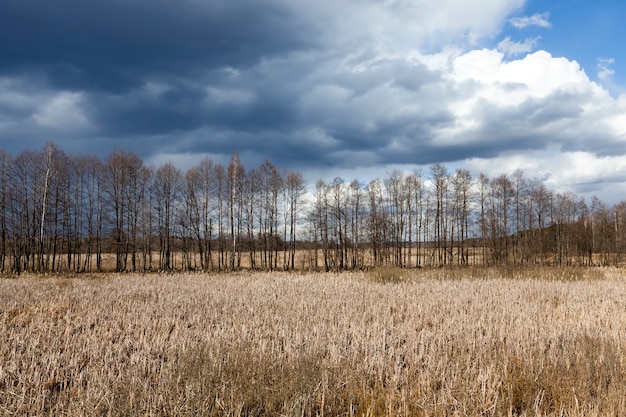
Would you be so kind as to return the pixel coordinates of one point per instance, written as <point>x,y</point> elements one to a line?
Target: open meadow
<point>389,343</point>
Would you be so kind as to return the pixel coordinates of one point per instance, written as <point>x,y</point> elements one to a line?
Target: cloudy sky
<point>354,88</point>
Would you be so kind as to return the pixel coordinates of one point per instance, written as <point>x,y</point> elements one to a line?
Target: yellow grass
<point>434,343</point>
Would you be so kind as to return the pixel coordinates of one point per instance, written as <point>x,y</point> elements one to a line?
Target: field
<point>382,343</point>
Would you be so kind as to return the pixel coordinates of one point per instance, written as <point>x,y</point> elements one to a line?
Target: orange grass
<point>432,343</point>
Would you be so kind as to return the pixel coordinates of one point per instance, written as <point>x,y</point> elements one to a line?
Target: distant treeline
<point>68,213</point>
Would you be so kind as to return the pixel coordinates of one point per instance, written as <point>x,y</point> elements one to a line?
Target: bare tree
<point>252,201</point>
<point>191,216</point>
<point>296,187</point>
<point>137,199</point>
<point>619,212</point>
<point>501,202</point>
<point>603,231</point>
<point>91,171</point>
<point>337,222</point>
<point>439,177</point>
<point>462,186</point>
<point>148,223</point>
<point>565,215</point>
<point>236,175</point>
<point>520,201</point>
<point>5,181</point>
<point>377,222</point>
<point>167,190</point>
<point>48,157</point>
<point>207,194</point>
<point>319,218</point>
<point>415,185</point>
<point>357,217</point>
<point>125,182</point>
<point>396,207</point>
<point>271,186</point>
<point>116,190</point>
<point>483,187</point>
<point>25,210</point>
<point>541,218</point>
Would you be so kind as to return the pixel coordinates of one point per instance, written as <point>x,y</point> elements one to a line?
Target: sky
<point>351,88</point>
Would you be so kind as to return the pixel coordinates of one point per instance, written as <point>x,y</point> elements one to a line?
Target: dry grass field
<point>387,343</point>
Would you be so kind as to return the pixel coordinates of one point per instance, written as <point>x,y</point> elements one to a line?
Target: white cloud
<point>538,19</point>
<point>536,75</point>
<point>62,111</point>
<point>617,119</point>
<point>404,25</point>
<point>581,172</point>
<point>543,115</point>
<point>447,104</point>
<point>604,68</point>
<point>512,48</point>
<point>14,95</point>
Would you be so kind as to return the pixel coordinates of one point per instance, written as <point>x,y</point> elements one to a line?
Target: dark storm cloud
<point>112,45</point>
<point>285,109</point>
<point>215,76</point>
<point>114,51</point>
<point>137,113</point>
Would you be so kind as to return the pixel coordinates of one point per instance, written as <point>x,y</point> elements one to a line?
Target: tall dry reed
<point>427,344</point>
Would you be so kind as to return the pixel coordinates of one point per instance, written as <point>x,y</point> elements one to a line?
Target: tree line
<point>60,212</point>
